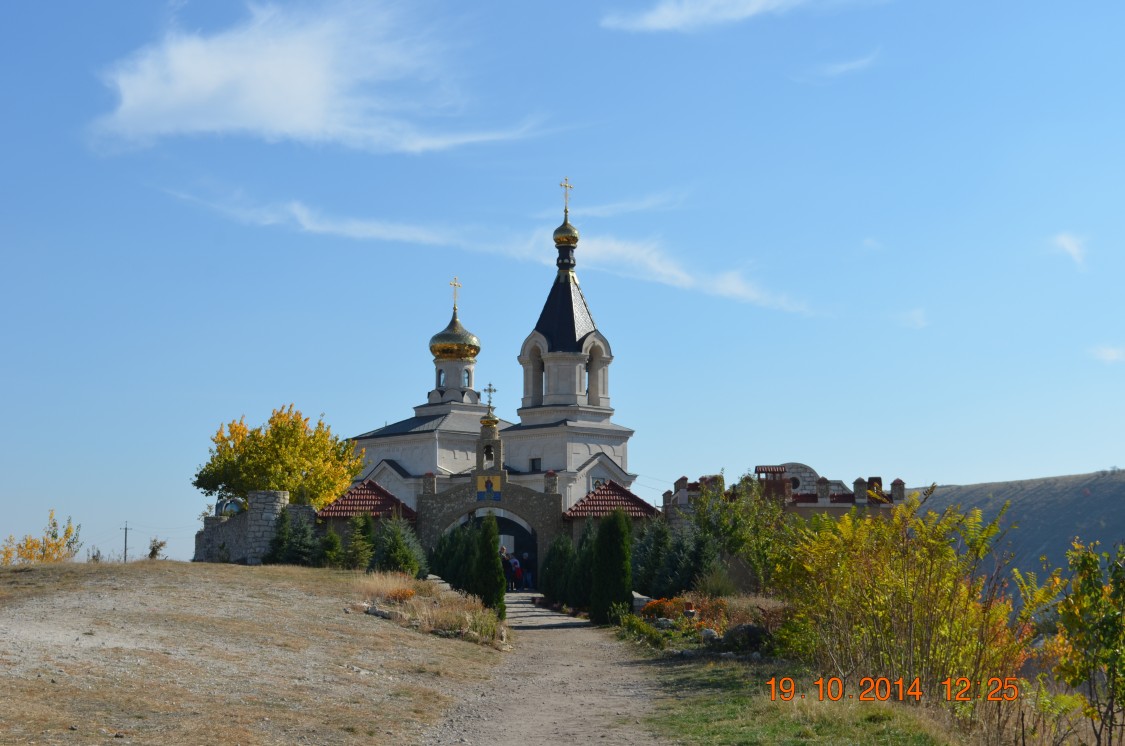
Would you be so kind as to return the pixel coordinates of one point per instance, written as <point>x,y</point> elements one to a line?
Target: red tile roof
<point>606,498</point>
<point>368,497</point>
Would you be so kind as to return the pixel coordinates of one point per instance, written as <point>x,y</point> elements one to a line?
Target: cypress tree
<point>555,572</point>
<point>488,575</point>
<point>582,569</point>
<point>612,582</point>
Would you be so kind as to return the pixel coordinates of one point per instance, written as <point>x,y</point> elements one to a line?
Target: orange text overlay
<point>884,689</point>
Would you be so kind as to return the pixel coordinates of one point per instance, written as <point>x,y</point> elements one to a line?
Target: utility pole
<point>125,557</point>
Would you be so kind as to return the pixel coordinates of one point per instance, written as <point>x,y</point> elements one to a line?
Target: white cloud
<point>689,15</point>
<point>837,69</point>
<point>641,260</point>
<point>1108,354</point>
<point>641,204</point>
<point>1073,246</point>
<point>915,318</point>
<point>334,73</point>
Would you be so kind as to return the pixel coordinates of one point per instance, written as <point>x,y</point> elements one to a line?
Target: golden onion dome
<point>566,234</point>
<point>455,342</point>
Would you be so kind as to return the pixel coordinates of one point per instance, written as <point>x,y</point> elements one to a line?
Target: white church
<point>565,418</point>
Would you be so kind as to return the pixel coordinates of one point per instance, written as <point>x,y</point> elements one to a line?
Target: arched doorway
<point>515,533</point>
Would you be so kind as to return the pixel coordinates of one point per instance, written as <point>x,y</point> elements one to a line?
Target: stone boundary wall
<point>245,538</point>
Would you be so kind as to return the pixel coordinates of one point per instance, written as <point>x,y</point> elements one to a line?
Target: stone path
<point>566,682</point>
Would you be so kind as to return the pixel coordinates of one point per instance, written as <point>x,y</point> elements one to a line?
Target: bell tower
<point>566,359</point>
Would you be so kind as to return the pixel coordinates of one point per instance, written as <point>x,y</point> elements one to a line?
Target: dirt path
<point>567,682</point>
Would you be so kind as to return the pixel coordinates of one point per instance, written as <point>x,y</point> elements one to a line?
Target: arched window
<point>465,383</point>
<point>595,373</point>
<point>441,379</point>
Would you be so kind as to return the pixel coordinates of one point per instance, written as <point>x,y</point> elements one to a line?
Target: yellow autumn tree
<point>286,453</point>
<point>54,545</point>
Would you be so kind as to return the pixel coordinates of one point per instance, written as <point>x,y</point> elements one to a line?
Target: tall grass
<point>429,608</point>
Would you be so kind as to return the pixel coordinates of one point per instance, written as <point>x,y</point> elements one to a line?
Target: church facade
<point>563,461</point>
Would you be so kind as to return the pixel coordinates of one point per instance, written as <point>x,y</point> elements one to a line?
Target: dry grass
<point>426,606</point>
<point>168,652</point>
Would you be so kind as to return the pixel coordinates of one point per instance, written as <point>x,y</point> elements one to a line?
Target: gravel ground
<point>566,682</point>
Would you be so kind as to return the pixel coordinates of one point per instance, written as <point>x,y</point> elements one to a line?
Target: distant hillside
<point>1048,513</point>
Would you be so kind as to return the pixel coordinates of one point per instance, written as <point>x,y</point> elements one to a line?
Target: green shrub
<point>633,627</point>
<point>358,554</point>
<point>454,556</point>
<point>488,572</point>
<point>649,554</point>
<point>331,549</point>
<point>397,549</point>
<point>612,581</point>
<point>581,574</point>
<point>715,582</point>
<point>554,575</point>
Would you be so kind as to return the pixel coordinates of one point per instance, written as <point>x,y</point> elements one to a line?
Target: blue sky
<point>875,237</point>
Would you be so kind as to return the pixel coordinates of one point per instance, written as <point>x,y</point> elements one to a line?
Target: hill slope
<point>1047,514</point>
<point>168,652</point>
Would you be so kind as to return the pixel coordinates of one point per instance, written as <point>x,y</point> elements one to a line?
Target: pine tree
<point>332,549</point>
<point>488,576</point>
<point>612,582</point>
<point>393,551</point>
<point>302,547</point>
<point>282,531</point>
<point>358,554</point>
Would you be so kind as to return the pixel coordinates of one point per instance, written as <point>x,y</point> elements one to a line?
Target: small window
<point>536,464</point>
<point>465,379</point>
<point>795,482</point>
<point>441,379</point>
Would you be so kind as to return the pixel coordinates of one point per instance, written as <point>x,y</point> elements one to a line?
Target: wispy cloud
<point>836,69</point>
<point>691,15</point>
<point>295,214</point>
<point>1108,354</point>
<point>641,204</point>
<point>1071,245</point>
<point>915,318</point>
<point>641,260</point>
<point>330,73</point>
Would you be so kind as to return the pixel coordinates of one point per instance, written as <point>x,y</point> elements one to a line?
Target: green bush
<point>488,572</point>
<point>649,554</point>
<point>715,582</point>
<point>293,543</point>
<point>612,581</point>
<point>358,554</point>
<point>581,574</point>
<point>554,575</point>
<point>397,549</point>
<point>454,556</point>
<point>633,627</point>
<point>331,549</point>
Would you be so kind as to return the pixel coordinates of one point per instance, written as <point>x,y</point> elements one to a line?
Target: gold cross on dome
<point>455,285</point>
<point>490,390</point>
<point>567,186</point>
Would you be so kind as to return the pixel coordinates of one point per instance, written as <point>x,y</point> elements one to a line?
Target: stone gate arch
<point>538,512</point>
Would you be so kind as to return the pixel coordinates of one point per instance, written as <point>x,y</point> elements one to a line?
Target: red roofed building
<point>364,497</point>
<point>603,500</point>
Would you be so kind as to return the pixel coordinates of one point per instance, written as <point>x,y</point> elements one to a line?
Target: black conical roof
<point>565,320</point>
